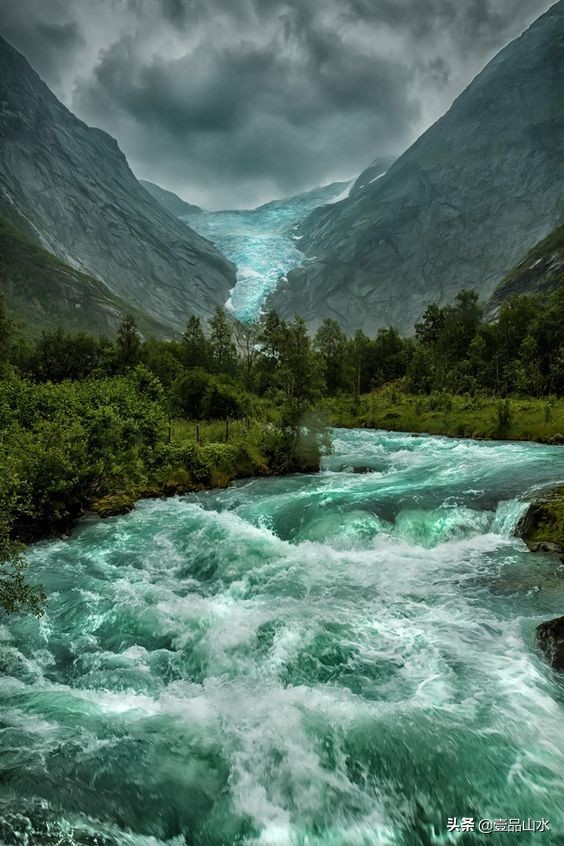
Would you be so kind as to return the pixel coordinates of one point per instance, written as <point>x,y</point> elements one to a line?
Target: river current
<point>344,659</point>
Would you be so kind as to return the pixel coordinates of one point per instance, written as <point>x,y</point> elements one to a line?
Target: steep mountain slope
<point>456,210</point>
<point>168,200</point>
<point>540,272</point>
<point>374,171</point>
<point>298,205</point>
<point>45,293</point>
<point>73,185</point>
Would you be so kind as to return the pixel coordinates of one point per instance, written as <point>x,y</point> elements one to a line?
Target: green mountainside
<point>44,293</point>
<point>540,272</point>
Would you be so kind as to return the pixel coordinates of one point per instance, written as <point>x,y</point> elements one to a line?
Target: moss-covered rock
<point>542,527</point>
<point>114,504</point>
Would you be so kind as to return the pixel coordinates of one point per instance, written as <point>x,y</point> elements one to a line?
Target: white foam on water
<point>296,650</point>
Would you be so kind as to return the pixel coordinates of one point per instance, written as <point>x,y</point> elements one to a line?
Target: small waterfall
<point>507,517</point>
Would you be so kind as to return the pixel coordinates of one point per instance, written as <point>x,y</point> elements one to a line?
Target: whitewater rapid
<point>344,658</point>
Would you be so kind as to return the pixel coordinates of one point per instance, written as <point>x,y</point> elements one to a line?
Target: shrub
<point>222,400</point>
<point>504,415</point>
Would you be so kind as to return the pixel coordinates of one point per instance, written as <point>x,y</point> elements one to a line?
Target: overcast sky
<point>233,102</point>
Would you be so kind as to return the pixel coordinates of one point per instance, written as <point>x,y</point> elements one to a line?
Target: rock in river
<point>550,641</point>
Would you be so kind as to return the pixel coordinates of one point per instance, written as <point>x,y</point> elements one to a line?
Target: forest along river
<point>343,658</point>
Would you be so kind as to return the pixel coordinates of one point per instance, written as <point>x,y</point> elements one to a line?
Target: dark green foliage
<point>15,593</point>
<point>331,344</point>
<point>194,347</point>
<point>298,374</point>
<point>222,400</point>
<point>521,353</point>
<point>63,445</point>
<point>222,350</point>
<point>188,392</point>
<point>197,395</point>
<point>128,347</point>
<point>247,341</point>
<point>455,352</point>
<point>164,359</point>
<point>270,337</point>
<point>58,356</point>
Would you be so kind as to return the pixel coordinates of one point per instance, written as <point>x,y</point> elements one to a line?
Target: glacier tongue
<point>261,243</point>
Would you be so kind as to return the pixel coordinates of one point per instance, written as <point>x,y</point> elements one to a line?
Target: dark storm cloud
<point>473,25</point>
<point>182,12</point>
<point>61,36</point>
<point>231,102</point>
<point>276,112</point>
<point>46,33</point>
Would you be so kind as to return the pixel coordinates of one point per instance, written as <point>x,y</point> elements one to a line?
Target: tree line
<point>217,369</point>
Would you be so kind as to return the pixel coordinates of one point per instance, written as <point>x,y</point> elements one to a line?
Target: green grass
<point>212,431</point>
<point>517,418</point>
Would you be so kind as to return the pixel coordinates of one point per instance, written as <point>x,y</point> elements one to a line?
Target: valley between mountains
<point>282,487</point>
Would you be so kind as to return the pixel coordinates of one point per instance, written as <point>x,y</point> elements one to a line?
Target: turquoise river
<point>345,659</point>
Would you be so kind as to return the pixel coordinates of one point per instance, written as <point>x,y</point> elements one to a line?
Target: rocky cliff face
<point>169,200</point>
<point>73,185</point>
<point>540,272</point>
<point>457,210</point>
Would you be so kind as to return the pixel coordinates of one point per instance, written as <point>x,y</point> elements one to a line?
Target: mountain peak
<point>72,184</point>
<point>457,209</point>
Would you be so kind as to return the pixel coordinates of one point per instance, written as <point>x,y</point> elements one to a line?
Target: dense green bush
<point>197,395</point>
<point>188,392</point>
<point>15,593</point>
<point>63,444</point>
<point>222,400</point>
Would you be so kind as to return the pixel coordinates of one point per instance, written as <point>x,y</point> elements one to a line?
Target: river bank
<point>509,419</point>
<point>202,461</point>
<point>208,455</point>
<point>46,488</point>
<point>539,420</point>
<point>220,463</point>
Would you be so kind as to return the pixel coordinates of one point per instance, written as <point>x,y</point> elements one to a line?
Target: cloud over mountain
<point>231,102</point>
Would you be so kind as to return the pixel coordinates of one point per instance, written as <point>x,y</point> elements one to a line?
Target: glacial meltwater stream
<point>343,659</point>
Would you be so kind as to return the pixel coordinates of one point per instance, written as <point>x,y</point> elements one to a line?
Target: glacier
<point>262,243</point>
